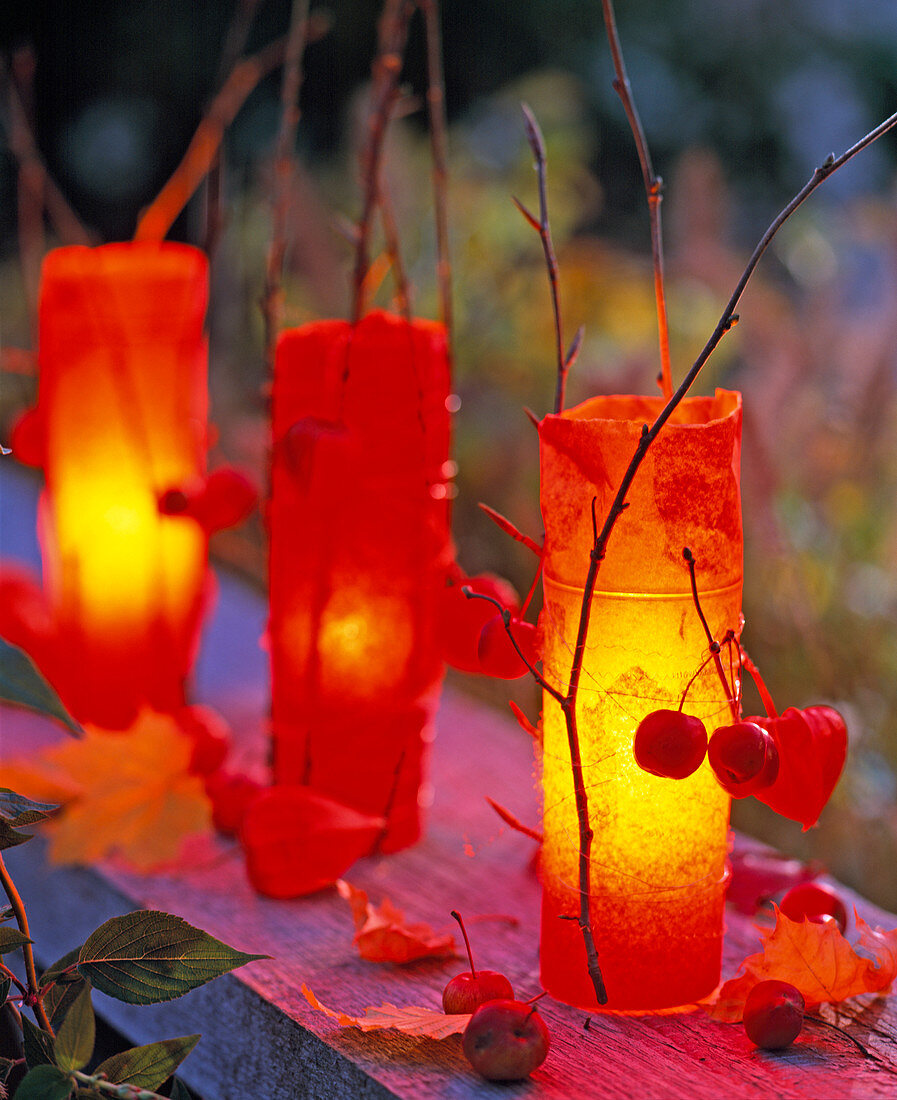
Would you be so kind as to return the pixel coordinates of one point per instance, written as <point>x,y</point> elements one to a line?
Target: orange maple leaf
<point>426,1023</point>
<point>382,935</point>
<point>817,960</point>
<point>128,793</point>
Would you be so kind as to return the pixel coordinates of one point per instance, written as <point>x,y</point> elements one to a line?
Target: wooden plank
<point>261,1038</point>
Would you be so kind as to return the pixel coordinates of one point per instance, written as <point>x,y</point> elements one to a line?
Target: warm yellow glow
<point>364,643</point>
<point>658,854</point>
<point>123,409</point>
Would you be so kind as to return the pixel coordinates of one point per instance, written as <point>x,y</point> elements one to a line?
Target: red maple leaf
<point>817,960</point>
<point>382,935</point>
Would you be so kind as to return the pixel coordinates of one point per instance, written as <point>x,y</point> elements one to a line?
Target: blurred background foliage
<point>740,101</point>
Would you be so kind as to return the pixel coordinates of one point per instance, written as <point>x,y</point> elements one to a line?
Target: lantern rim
<point>697,411</point>
<point>120,259</point>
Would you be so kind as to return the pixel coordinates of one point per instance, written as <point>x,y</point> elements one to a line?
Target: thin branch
<point>506,619</point>
<point>653,190</point>
<point>438,147</point>
<point>543,228</point>
<point>391,239</point>
<point>393,35</point>
<point>234,44</point>
<point>159,217</point>
<point>35,174</point>
<point>759,683</point>
<point>18,907</point>
<point>272,299</point>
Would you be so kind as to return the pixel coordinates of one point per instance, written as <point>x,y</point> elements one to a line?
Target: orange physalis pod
<point>359,548</point>
<point>658,858</point>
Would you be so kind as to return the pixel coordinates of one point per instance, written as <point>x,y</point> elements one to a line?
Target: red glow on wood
<point>358,522</point>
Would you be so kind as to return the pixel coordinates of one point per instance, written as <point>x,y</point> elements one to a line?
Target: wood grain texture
<point>261,1039</point>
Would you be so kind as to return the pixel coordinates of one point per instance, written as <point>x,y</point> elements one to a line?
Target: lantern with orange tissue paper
<point>359,546</point>
<point>122,417</point>
<point>658,857</point>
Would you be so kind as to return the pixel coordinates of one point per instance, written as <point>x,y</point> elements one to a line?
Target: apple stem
<point>457,917</point>
<point>712,643</point>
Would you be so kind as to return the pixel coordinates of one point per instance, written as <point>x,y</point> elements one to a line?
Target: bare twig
<point>391,238</point>
<point>234,44</point>
<point>272,299</point>
<point>18,907</point>
<point>436,112</point>
<point>619,505</point>
<point>159,217</point>
<point>543,228</point>
<point>506,618</point>
<point>35,175</point>
<point>653,189</point>
<point>393,34</point>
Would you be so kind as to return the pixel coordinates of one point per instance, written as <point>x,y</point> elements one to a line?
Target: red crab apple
<point>467,991</point>
<point>744,758</point>
<point>506,1040</point>
<point>670,744</point>
<point>814,902</point>
<point>773,1014</point>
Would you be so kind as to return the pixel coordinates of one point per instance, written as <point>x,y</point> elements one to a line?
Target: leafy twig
<point>543,227</point>
<point>653,189</point>
<point>118,1091</point>
<point>18,907</point>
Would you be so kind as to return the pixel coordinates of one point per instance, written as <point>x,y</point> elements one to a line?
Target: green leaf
<point>59,998</point>
<point>22,684</point>
<point>75,1037</point>
<point>38,1045</point>
<point>147,1067</point>
<point>11,939</point>
<point>5,983</point>
<point>15,811</point>
<point>179,1090</point>
<point>147,957</point>
<point>44,1083</point>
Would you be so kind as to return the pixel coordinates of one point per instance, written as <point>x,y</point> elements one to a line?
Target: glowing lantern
<point>658,858</point>
<point>358,523</point>
<point>121,418</point>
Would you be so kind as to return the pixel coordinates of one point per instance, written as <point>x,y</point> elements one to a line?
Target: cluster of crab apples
<point>506,1039</point>
<point>672,744</point>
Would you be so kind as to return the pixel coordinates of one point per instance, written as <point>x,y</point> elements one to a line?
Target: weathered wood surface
<point>260,1037</point>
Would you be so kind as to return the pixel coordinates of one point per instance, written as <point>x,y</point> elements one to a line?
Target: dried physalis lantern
<point>359,545</point>
<point>658,857</point>
<point>121,420</point>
